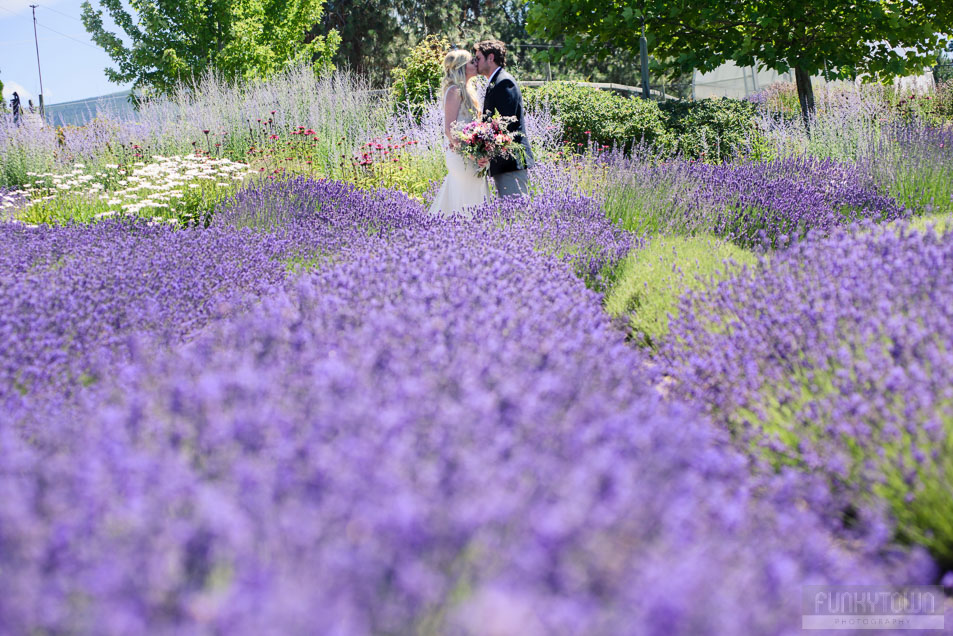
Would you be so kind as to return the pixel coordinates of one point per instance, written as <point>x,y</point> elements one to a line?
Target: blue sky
<point>72,64</point>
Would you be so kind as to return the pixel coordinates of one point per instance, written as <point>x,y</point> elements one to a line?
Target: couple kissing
<point>464,187</point>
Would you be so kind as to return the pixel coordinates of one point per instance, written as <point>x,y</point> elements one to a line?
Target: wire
<point>54,30</point>
<point>60,12</point>
<point>67,36</point>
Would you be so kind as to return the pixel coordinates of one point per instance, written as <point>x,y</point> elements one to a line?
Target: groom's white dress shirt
<point>495,73</point>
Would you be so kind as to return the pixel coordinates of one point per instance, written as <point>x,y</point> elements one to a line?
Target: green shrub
<point>941,223</point>
<point>714,129</point>
<point>604,118</point>
<point>417,84</point>
<point>650,281</point>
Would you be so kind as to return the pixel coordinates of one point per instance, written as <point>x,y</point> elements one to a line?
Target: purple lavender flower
<point>438,428</point>
<point>834,357</point>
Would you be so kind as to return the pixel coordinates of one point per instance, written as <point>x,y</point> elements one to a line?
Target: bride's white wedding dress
<point>462,188</point>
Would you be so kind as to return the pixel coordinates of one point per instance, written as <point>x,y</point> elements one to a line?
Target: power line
<point>68,36</point>
<point>61,13</point>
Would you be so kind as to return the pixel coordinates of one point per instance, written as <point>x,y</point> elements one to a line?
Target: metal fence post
<point>644,54</point>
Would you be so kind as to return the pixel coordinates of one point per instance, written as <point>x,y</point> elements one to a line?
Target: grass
<point>650,281</point>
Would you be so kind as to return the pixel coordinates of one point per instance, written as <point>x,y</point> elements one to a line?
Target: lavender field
<point>248,385</point>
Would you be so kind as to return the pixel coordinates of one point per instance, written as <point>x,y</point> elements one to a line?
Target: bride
<point>462,188</point>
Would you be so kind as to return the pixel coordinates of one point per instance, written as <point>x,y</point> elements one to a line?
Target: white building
<point>731,80</point>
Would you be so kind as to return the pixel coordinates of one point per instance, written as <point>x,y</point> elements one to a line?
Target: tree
<point>943,69</point>
<point>378,35</point>
<point>175,41</point>
<point>371,36</point>
<point>417,81</point>
<point>831,38</point>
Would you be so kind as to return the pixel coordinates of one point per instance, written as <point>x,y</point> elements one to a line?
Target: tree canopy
<point>831,38</point>
<point>378,35</point>
<point>176,40</point>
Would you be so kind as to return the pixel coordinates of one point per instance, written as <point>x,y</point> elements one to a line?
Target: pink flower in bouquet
<point>488,139</point>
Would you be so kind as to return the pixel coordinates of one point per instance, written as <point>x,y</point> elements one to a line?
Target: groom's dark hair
<point>497,48</point>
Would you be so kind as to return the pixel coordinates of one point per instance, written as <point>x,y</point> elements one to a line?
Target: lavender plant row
<point>441,433</point>
<point>753,204</point>
<point>835,357</point>
<point>69,291</point>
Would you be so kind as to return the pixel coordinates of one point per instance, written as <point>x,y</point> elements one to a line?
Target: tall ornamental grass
<point>339,107</point>
<point>915,165</point>
<point>835,357</point>
<point>24,148</point>
<point>906,149</point>
<point>213,115</point>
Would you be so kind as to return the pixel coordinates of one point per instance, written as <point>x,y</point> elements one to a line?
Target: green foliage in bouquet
<point>604,118</point>
<point>417,83</point>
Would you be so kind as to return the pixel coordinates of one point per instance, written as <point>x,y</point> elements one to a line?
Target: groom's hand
<point>483,163</point>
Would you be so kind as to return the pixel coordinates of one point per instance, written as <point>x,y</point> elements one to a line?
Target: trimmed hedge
<point>604,118</point>
<point>713,128</point>
<point>708,129</point>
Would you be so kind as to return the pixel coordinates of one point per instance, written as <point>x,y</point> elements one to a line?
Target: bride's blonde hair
<point>455,74</point>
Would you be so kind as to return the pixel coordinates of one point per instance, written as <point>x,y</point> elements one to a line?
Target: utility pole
<point>37,42</point>
<point>644,54</point>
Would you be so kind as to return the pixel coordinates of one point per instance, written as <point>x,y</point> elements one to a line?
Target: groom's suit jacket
<point>503,96</point>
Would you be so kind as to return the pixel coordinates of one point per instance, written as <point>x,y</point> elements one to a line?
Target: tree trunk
<point>805,95</point>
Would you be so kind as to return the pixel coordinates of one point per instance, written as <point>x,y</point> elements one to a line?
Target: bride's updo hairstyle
<point>455,74</point>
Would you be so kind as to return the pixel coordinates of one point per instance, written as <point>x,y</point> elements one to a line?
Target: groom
<point>503,96</point>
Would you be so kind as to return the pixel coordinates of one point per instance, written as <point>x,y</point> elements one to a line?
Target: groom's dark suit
<point>503,96</point>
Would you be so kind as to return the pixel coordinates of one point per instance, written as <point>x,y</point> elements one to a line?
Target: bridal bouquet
<point>488,139</point>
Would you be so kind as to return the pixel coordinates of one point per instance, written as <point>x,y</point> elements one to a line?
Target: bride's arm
<point>451,107</point>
